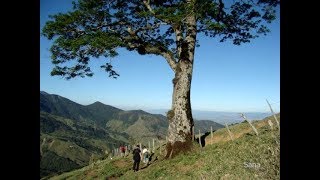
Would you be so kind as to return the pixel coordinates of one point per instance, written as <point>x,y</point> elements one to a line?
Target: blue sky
<point>225,77</point>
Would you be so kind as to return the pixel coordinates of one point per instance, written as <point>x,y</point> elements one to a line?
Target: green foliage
<point>98,28</point>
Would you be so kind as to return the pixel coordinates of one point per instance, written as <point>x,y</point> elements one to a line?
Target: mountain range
<point>72,135</point>
<point>219,116</point>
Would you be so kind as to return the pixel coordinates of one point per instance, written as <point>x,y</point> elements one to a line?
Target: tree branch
<point>135,42</point>
<point>179,39</point>
<point>191,31</point>
<point>167,54</point>
<point>148,27</point>
<point>147,4</point>
<point>170,59</point>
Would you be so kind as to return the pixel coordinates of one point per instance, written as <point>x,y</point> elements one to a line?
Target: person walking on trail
<point>122,150</point>
<point>128,149</point>
<point>136,158</point>
<point>145,154</point>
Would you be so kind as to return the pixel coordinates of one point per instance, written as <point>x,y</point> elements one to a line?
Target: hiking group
<point>138,155</point>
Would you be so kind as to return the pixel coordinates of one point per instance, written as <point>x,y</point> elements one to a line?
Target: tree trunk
<point>180,116</point>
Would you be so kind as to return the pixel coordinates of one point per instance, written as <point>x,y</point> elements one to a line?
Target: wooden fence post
<point>153,145</point>
<point>270,124</point>
<point>193,134</point>
<point>274,116</point>
<point>91,161</point>
<point>200,139</point>
<point>42,144</point>
<point>254,129</point>
<point>229,132</point>
<point>211,132</point>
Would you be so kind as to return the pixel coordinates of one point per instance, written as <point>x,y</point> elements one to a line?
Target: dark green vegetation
<point>72,134</point>
<point>246,157</point>
<point>204,126</point>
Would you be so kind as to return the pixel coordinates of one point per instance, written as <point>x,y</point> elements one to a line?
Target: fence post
<point>270,124</point>
<point>165,149</point>
<point>160,146</point>
<point>171,153</point>
<point>211,132</point>
<point>229,132</point>
<point>153,145</point>
<point>91,159</point>
<point>274,116</point>
<point>193,133</point>
<point>200,139</point>
<point>42,144</point>
<point>254,129</point>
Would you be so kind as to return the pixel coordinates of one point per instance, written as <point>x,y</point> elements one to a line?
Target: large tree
<point>167,28</point>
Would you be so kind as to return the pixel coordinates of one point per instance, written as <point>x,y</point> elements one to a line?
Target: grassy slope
<point>220,159</point>
<point>67,145</point>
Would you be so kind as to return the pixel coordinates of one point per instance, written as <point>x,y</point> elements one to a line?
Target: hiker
<point>136,158</point>
<point>122,150</point>
<point>145,154</point>
<point>129,149</point>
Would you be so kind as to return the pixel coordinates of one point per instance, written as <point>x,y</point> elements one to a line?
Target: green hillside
<point>63,107</point>
<point>247,156</point>
<point>204,125</point>
<point>67,144</point>
<point>72,134</point>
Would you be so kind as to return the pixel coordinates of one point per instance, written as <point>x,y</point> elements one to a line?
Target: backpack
<point>122,149</point>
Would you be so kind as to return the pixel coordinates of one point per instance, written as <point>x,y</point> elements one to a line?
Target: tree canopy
<point>96,28</point>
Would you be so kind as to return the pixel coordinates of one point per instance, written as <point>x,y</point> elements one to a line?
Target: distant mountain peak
<point>98,103</point>
<point>44,93</point>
